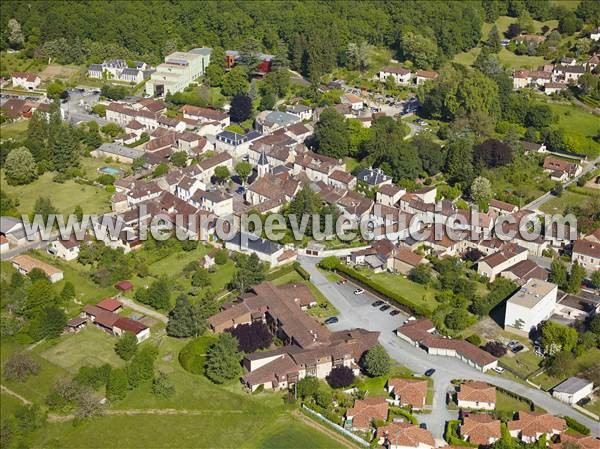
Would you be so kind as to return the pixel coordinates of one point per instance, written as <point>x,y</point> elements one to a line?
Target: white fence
<point>337,427</point>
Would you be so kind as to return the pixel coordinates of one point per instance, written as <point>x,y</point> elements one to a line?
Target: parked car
<point>377,303</point>
<point>342,281</point>
<point>511,344</point>
<point>332,320</point>
<point>384,307</point>
<point>517,348</point>
<point>395,312</point>
<point>498,369</point>
<point>359,291</point>
<point>429,372</point>
<point>423,425</point>
<point>240,190</point>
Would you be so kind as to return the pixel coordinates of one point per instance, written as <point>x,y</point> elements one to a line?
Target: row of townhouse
<point>554,77</point>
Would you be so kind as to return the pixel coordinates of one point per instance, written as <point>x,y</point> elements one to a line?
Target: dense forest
<point>312,34</point>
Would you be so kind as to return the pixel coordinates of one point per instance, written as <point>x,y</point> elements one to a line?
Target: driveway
<point>143,309</point>
<point>356,311</point>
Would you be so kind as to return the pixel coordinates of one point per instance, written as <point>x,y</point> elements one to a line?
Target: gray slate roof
<point>120,150</point>
<point>571,385</point>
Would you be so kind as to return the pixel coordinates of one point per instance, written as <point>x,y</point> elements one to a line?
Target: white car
<point>359,291</point>
<point>498,369</point>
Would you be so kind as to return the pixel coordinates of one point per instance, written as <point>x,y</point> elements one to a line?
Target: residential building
<point>389,194</point>
<point>595,34</point>
<point>553,88</point>
<point>533,303</point>
<point>400,75</point>
<point>509,254</point>
<point>4,245</point>
<point>67,249</point>
<point>356,103</point>
<point>361,416</point>
<point>573,390</point>
<point>270,187</point>
<point>341,179</point>
<point>235,144</point>
<point>402,260</point>
<point>117,152</point>
<point>302,111</point>
<point>115,324</point>
<point>561,170</point>
<point>208,166</point>
<point>587,254</point>
<point>205,115</point>
<point>420,333</point>
<point>270,121</point>
<point>425,75</point>
<point>530,426</point>
<point>402,435</point>
<point>24,264</point>
<point>502,207</point>
<point>408,392</point>
<point>317,167</point>
<point>25,80</point>
<point>480,429</point>
<point>266,250</point>
<point>476,395</point>
<point>178,71</point>
<point>373,177</point>
<point>524,271</point>
<point>583,442</point>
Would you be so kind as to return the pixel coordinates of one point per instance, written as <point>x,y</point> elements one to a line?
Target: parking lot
<point>78,106</point>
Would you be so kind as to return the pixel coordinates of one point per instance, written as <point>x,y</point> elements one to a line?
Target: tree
<point>64,149</point>
<point>556,337</point>
<point>492,153</point>
<point>331,134</point>
<point>179,159</point>
<point>44,207</point>
<point>594,324</point>
<point>20,167</point>
<point>495,348</point>
<point>185,320</point>
<point>526,22</point>
<point>481,190</point>
<point>493,41</point>
<point>561,364</point>
<point>117,385</point>
<point>223,359</point>
<point>15,35</point>
<point>458,319</point>
<point>53,322</point>
<point>126,346</point>
<point>235,82</point>
<point>162,386</point>
<point>340,377</point>
<point>200,278</point>
<point>307,386</point>
<point>595,278</point>
<point>241,108</point>
<point>221,173</point>
<point>158,294</point>
<point>558,273</point>
<point>421,50</point>
<point>514,30</point>
<point>377,361</point>
<point>250,271</point>
<point>459,164</point>
<point>358,55</point>
<point>19,367</point>
<point>432,155</point>
<point>252,337</point>
<point>421,274</point>
<point>569,24</point>
<point>576,278</point>
<point>63,395</point>
<point>330,263</point>
<point>88,405</point>
<point>539,116</point>
<point>243,169</point>
<point>221,257</point>
<point>55,89</point>
<point>267,102</point>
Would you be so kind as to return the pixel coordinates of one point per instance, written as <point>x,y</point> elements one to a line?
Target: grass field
<point>507,58</point>
<point>579,127</point>
<point>17,62</point>
<point>583,362</point>
<point>508,404</point>
<point>91,346</point>
<point>405,287</point>
<point>64,196</point>
<point>557,205</point>
<point>15,130</point>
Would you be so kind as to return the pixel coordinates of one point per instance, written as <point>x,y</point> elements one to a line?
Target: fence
<point>337,427</point>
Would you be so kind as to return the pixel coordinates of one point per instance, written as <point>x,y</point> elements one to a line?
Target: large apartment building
<point>178,71</point>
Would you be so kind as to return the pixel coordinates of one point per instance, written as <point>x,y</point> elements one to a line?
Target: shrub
<point>377,361</point>
<point>221,257</point>
<point>404,413</point>
<point>19,367</point>
<point>495,348</point>
<point>301,271</point>
<point>577,426</point>
<point>474,339</point>
<point>252,337</point>
<point>330,263</point>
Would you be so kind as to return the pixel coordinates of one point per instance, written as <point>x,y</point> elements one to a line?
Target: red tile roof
<point>401,434</point>
<point>110,304</point>
<point>411,391</point>
<point>531,424</point>
<point>366,410</point>
<point>477,391</point>
<point>129,325</point>
<point>480,428</point>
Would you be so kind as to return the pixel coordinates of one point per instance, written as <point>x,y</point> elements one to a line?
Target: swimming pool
<point>110,170</point>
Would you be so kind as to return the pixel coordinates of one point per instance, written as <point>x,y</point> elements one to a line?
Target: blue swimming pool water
<point>110,170</point>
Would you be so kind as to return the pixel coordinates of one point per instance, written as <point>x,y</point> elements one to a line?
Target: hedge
<point>417,309</point>
<point>451,435</point>
<point>301,271</point>
<point>518,397</point>
<point>577,426</point>
<point>405,413</point>
<point>280,272</point>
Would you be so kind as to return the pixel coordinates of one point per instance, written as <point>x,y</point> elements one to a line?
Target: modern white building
<point>532,304</point>
<point>178,71</point>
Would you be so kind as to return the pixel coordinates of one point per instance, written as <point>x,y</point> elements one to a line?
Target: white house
<point>595,34</point>
<point>24,264</point>
<point>587,253</point>
<point>266,250</point>
<point>26,80</point>
<point>356,103</point>
<point>533,303</point>
<point>510,254</point>
<point>178,71</point>
<point>402,435</point>
<point>65,249</point>
<point>573,390</point>
<point>399,74</point>
<point>476,395</point>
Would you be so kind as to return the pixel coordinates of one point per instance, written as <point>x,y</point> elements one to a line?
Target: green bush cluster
<point>577,426</point>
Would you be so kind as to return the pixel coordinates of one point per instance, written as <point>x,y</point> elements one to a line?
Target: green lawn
<point>594,405</point>
<point>423,296</point>
<point>15,130</point>
<point>64,196</point>
<point>351,164</point>
<point>508,404</point>
<point>91,346</point>
<point>557,205</point>
<point>523,363</point>
<point>293,435</point>
<point>17,62</point>
<point>8,404</point>
<point>375,386</point>
<point>323,309</point>
<point>583,362</point>
<point>579,127</point>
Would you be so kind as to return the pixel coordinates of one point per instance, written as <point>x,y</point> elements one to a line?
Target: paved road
<point>538,202</point>
<point>143,309</point>
<point>356,311</point>
<point>40,244</point>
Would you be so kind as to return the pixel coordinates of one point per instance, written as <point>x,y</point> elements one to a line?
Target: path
<point>15,394</point>
<point>417,360</point>
<point>143,309</point>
